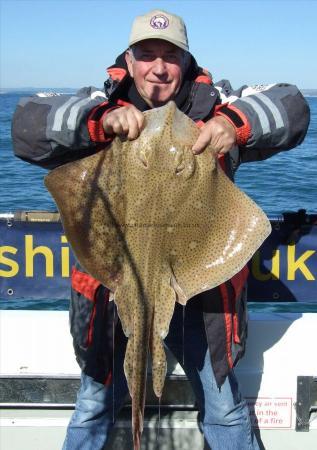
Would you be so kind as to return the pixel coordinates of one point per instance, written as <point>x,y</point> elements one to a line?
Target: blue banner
<point>284,269</point>
<point>36,261</point>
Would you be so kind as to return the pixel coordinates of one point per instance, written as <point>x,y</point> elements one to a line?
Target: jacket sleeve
<point>52,130</point>
<point>267,118</point>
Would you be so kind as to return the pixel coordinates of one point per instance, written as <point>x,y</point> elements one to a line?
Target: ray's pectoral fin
<point>222,243</point>
<point>90,214</point>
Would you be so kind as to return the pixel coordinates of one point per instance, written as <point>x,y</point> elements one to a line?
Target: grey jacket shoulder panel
<point>45,129</point>
<point>278,116</point>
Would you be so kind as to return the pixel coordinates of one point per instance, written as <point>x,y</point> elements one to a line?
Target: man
<point>246,125</point>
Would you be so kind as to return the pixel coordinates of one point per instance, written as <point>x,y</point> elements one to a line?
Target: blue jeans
<point>224,413</point>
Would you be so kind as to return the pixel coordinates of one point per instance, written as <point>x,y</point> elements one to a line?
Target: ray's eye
<point>179,160</point>
<point>145,164</point>
<point>143,159</point>
<point>180,168</point>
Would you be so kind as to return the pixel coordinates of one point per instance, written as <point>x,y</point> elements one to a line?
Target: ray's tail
<point>146,324</point>
<point>135,368</point>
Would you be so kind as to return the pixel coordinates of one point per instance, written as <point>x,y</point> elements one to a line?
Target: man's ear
<point>128,60</point>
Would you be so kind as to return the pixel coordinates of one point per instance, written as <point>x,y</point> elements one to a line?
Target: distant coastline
<point>64,90</point>
<point>69,90</point>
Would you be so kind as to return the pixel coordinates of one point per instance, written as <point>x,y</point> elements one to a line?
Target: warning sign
<point>270,412</point>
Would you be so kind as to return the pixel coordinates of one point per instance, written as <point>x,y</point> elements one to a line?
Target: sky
<point>69,43</point>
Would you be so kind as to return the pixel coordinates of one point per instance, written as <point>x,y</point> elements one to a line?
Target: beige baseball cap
<point>158,24</point>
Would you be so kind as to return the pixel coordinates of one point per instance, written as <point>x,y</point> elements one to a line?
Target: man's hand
<point>217,132</point>
<point>124,121</point>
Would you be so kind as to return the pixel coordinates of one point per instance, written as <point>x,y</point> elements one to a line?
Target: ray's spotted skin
<point>155,224</point>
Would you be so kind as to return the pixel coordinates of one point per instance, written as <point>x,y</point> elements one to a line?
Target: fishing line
<point>113,345</point>
<point>157,441</point>
<point>183,337</point>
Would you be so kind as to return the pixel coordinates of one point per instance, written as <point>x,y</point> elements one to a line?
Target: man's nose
<point>159,67</point>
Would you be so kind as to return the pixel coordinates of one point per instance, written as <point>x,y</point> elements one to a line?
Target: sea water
<point>285,182</point>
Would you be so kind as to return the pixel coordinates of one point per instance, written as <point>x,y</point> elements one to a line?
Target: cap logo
<point>159,22</point>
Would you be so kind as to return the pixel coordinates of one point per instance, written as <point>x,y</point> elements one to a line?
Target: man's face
<point>157,69</point>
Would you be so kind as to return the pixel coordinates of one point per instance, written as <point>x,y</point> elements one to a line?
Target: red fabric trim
<point>123,103</point>
<point>91,326</point>
<point>116,73</point>
<point>238,281</point>
<point>236,337</point>
<point>243,132</point>
<point>92,112</point>
<point>106,137</point>
<point>85,284</point>
<point>95,127</point>
<point>206,72</point>
<point>222,161</point>
<point>203,79</point>
<point>228,321</point>
<point>108,379</point>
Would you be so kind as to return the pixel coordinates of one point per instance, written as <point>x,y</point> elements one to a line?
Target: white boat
<point>48,94</point>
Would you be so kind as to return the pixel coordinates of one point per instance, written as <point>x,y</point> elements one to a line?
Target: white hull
<point>281,347</point>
